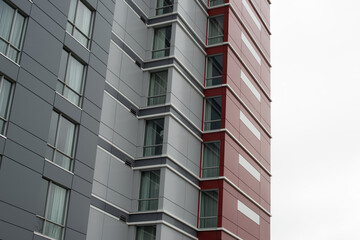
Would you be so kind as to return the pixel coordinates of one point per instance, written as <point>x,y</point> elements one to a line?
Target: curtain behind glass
<point>72,9</point>
<point>56,204</point>
<point>149,189</point>
<point>164,6</point>
<point>17,31</point>
<point>213,113</point>
<point>75,74</point>
<point>6,17</point>
<point>4,97</point>
<point>208,209</point>
<point>157,88</point>
<point>153,137</point>
<point>146,233</point>
<point>216,2</point>
<point>83,18</point>
<point>216,29</point>
<point>74,79</point>
<point>214,70</point>
<point>211,159</point>
<point>65,143</point>
<point>161,42</point>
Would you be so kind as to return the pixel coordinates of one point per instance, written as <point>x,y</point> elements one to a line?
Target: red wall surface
<point>235,183</point>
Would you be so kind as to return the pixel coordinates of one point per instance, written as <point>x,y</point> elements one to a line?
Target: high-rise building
<point>135,119</point>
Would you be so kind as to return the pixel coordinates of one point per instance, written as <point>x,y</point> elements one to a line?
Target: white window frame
<point>73,25</point>
<point>64,81</point>
<point>55,149</point>
<point>44,219</point>
<point>8,44</point>
<point>6,119</point>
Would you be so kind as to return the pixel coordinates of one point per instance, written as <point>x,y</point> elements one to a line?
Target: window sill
<point>79,42</point>
<point>2,136</point>
<point>68,171</point>
<point>10,59</point>
<point>69,101</point>
<point>44,236</point>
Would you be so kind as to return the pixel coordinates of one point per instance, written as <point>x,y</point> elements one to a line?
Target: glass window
<point>214,70</point>
<point>146,232</point>
<point>211,159</point>
<point>154,134</point>
<point>71,78</point>
<point>164,6</point>
<point>149,190</point>
<point>162,37</point>
<point>5,101</point>
<point>61,141</point>
<point>12,27</point>
<point>79,22</point>
<point>208,209</point>
<point>53,222</point>
<point>157,88</point>
<point>215,2</point>
<point>212,113</point>
<point>216,29</point>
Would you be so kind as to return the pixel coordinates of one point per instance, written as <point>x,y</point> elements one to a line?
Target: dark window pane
<point>208,209</point>
<point>157,88</point>
<point>154,134</point>
<point>146,233</point>
<point>216,30</point>
<point>212,113</point>
<point>214,70</point>
<point>211,158</point>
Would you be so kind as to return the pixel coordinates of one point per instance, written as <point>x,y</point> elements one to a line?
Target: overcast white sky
<point>315,119</point>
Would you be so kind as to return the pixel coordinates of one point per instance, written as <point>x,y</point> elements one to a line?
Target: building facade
<point>135,119</point>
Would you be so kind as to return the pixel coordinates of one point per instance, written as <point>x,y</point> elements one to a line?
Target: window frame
<point>144,226</point>
<point>171,7</point>
<point>208,217</point>
<point>216,3</point>
<point>205,114</point>
<point>64,81</point>
<point>11,95</point>
<point>8,42</point>
<point>203,160</point>
<point>214,77</point>
<point>159,95</point>
<point>215,37</point>
<point>73,25</point>
<point>153,145</point>
<point>166,50</point>
<point>155,172</point>
<point>44,218</point>
<point>55,149</point>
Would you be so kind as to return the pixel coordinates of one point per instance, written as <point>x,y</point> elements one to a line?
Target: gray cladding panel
<point>94,82</point>
<point>9,231</point>
<point>17,185</point>
<point>42,16</point>
<point>86,147</point>
<point>102,32</point>
<point>8,68</point>
<point>95,225</point>
<point>78,212</point>
<point>27,106</point>
<point>23,156</point>
<point>17,216</point>
<point>26,140</point>
<point>74,235</point>
<point>67,108</point>
<point>42,46</point>
<point>56,174</point>
<point>35,85</point>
